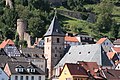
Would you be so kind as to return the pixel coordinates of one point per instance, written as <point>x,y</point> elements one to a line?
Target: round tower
<point>9,3</point>
<point>21,27</point>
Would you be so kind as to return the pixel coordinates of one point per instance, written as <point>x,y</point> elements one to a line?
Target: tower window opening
<point>58,40</point>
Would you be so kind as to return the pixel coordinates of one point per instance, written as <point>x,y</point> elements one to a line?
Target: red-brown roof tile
<point>100,41</point>
<point>89,66</point>
<point>76,70</point>
<point>117,49</point>
<point>5,42</point>
<point>110,55</point>
<point>71,39</point>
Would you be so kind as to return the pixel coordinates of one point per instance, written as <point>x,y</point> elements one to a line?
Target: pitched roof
<point>54,28</point>
<point>117,49</point>
<point>110,54</point>
<point>88,53</point>
<point>116,42</point>
<point>112,74</point>
<point>91,66</point>
<point>71,39</point>
<point>76,69</point>
<point>5,42</point>
<point>13,64</point>
<point>3,60</point>
<point>100,41</point>
<point>32,51</point>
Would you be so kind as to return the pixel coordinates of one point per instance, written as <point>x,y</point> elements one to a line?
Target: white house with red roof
<point>9,47</point>
<point>71,41</point>
<point>106,44</point>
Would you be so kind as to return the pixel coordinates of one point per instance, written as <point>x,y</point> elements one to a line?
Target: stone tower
<point>21,27</point>
<point>54,45</point>
<point>9,3</point>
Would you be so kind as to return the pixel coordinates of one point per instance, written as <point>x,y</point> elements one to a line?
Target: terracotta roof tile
<point>117,49</point>
<point>100,41</point>
<point>71,39</point>
<point>91,66</point>
<point>110,55</point>
<point>5,42</point>
<point>76,69</point>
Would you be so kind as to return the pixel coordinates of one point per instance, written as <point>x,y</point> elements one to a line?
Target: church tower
<point>54,45</point>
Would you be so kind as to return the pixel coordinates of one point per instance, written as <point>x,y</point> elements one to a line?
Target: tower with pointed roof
<point>54,45</point>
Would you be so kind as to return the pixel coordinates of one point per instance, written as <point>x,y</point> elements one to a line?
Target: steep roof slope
<point>87,53</point>
<point>54,28</point>
<point>5,42</point>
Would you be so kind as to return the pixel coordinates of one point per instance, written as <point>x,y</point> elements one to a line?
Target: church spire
<point>54,28</point>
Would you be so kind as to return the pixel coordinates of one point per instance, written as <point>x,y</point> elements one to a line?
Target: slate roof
<point>112,74</point>
<point>32,51</point>
<point>87,53</point>
<point>54,28</point>
<point>13,65</point>
<point>2,52</point>
<point>100,41</point>
<point>71,39</point>
<point>3,60</point>
<point>5,42</point>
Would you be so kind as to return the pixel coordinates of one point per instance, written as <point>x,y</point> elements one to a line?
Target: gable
<point>7,70</point>
<point>65,73</point>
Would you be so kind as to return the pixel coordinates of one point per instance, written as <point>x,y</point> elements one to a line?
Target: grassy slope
<point>70,23</point>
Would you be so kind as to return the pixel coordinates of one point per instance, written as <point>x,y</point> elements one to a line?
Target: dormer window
<point>30,69</point>
<point>19,69</point>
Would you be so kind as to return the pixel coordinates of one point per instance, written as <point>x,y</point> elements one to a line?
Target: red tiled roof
<point>71,39</point>
<point>112,74</point>
<point>110,55</point>
<point>89,66</point>
<point>76,70</point>
<point>117,49</point>
<point>100,41</point>
<point>5,42</point>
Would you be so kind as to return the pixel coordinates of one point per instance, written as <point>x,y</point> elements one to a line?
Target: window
<point>19,69</point>
<point>21,77</point>
<point>32,77</point>
<point>16,77</point>
<point>58,40</point>
<point>60,48</point>
<point>60,55</point>
<point>55,47</point>
<point>79,52</point>
<point>89,52</point>
<point>55,55</point>
<point>47,39</point>
<point>69,52</point>
<point>39,78</point>
<point>27,78</point>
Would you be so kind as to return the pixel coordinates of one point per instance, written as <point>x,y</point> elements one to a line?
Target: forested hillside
<point>38,14</point>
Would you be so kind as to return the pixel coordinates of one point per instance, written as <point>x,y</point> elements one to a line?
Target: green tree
<point>105,24</point>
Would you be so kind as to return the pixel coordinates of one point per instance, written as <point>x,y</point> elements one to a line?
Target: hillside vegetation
<point>39,13</point>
